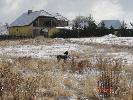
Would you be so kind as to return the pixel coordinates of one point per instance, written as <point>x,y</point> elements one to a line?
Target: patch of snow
<point>66,27</point>
<point>110,36</point>
<point>78,76</point>
<point>108,39</point>
<point>3,29</point>
<point>125,56</point>
<point>41,51</point>
<point>28,73</point>
<point>67,98</point>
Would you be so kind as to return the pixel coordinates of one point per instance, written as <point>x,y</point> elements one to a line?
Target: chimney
<point>29,11</point>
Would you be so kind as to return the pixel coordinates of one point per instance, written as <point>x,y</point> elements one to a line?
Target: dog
<point>64,57</point>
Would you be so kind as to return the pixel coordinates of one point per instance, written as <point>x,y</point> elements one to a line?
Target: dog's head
<point>66,53</point>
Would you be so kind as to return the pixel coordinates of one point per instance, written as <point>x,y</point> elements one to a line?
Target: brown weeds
<point>51,81</point>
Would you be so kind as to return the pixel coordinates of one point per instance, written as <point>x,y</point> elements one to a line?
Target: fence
<point>13,37</point>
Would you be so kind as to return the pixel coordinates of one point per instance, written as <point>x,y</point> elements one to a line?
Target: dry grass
<point>33,79</point>
<point>115,74</point>
<point>40,40</point>
<point>89,87</point>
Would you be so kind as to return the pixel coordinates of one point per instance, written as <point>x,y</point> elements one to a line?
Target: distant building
<point>34,23</point>
<point>61,19</point>
<point>116,24</point>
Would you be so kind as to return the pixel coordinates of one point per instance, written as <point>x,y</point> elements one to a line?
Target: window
<point>48,23</point>
<point>35,23</point>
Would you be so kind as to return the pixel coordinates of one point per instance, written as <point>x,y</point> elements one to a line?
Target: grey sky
<point>100,9</point>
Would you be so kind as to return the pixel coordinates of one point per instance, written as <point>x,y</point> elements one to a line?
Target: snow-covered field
<point>109,39</point>
<point>64,78</point>
<point>40,51</point>
<point>81,45</point>
<point>123,53</point>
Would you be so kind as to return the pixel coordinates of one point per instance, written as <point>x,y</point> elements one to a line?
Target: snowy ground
<point>109,39</point>
<point>41,51</point>
<point>107,49</point>
<point>82,45</point>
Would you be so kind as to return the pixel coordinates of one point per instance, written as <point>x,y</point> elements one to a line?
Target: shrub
<point>53,32</point>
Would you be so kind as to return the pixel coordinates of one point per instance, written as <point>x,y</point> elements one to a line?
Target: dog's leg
<point>58,58</point>
<point>64,60</point>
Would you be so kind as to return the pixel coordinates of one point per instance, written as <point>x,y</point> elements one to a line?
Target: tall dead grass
<point>113,76</point>
<point>53,80</point>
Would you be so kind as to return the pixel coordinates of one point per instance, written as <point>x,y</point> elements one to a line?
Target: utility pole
<point>78,26</point>
<point>78,31</point>
<point>51,23</point>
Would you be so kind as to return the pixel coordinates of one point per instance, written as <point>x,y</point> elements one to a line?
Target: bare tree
<point>84,22</point>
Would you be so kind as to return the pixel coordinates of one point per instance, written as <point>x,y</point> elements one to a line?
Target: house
<point>61,19</point>
<point>35,23</point>
<point>116,24</point>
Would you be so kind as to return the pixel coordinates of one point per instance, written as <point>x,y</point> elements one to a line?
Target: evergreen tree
<point>91,22</point>
<point>103,30</point>
<point>91,29</point>
<point>102,25</point>
<point>111,29</point>
<point>123,30</point>
<point>131,32</point>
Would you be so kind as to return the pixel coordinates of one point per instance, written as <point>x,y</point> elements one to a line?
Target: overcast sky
<point>100,9</point>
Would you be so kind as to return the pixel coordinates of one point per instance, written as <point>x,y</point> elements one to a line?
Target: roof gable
<point>60,17</point>
<point>116,24</point>
<point>28,18</point>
